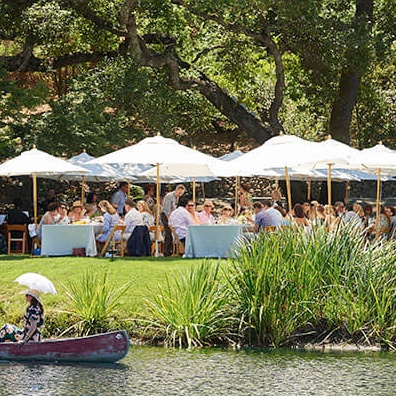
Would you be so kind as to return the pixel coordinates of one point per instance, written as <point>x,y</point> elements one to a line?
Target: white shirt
<point>180,219</point>
<point>132,219</point>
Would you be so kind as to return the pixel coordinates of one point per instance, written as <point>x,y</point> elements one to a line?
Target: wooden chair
<point>20,241</point>
<point>161,242</point>
<point>177,246</point>
<point>115,244</point>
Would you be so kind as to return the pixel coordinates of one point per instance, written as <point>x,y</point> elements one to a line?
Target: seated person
<point>193,213</point>
<point>267,217</point>
<point>206,217</point>
<point>299,216</point>
<point>180,219</point>
<point>34,320</point>
<point>110,219</point>
<point>64,218</point>
<point>226,215</point>
<point>132,218</point>
<point>50,217</point>
<point>15,216</point>
<point>76,212</point>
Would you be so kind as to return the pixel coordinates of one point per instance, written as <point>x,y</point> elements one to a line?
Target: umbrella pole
<point>377,202</point>
<point>157,212</point>
<point>203,190</point>
<point>236,195</point>
<point>329,184</point>
<point>288,189</point>
<point>309,189</point>
<point>347,191</point>
<point>35,197</point>
<point>82,190</point>
<point>194,186</point>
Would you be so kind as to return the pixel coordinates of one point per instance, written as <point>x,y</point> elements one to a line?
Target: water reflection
<point>157,371</point>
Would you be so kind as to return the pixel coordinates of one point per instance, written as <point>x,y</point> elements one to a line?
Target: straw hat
<point>77,204</point>
<point>32,292</point>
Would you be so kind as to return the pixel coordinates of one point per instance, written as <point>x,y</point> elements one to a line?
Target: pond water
<point>158,371</point>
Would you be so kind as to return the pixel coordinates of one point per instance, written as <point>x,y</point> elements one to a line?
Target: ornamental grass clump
<point>287,283</point>
<point>93,302</point>
<point>192,309</point>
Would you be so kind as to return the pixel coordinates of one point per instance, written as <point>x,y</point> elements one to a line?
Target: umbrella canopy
<point>155,150</point>
<point>278,152</point>
<point>381,161</point>
<point>40,163</point>
<point>37,282</point>
<point>95,172</point>
<point>37,163</point>
<point>375,158</point>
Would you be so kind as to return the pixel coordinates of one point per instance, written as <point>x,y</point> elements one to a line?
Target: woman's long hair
<point>34,302</point>
<point>107,206</point>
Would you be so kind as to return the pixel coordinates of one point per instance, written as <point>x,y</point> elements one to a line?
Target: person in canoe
<point>34,320</point>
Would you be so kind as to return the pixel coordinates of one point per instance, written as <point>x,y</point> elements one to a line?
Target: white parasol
<point>37,282</point>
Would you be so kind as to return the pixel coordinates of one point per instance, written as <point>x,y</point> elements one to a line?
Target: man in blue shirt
<point>267,217</point>
<point>119,198</point>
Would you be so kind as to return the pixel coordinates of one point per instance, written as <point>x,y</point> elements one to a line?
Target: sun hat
<point>32,292</point>
<point>208,203</point>
<point>77,204</point>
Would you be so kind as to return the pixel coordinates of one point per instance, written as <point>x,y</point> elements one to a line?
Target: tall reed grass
<point>193,309</point>
<point>93,302</point>
<point>285,283</point>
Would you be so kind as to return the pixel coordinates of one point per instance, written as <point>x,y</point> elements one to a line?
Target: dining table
<point>215,241</point>
<point>60,240</point>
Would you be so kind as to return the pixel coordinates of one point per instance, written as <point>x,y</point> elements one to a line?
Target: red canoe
<point>107,347</point>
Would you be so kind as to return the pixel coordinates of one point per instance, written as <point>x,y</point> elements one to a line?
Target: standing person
<point>34,320</point>
<point>119,198</point>
<point>132,218</point>
<point>171,199</point>
<point>110,219</point>
<point>206,217</point>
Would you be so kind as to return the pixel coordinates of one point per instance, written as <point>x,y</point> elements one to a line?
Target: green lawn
<point>145,273</point>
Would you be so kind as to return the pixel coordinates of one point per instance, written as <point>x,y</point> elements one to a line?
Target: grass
<point>193,310</point>
<point>145,275</point>
<point>281,289</point>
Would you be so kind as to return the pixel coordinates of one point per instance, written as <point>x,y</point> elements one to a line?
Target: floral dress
<point>12,333</point>
<point>33,314</point>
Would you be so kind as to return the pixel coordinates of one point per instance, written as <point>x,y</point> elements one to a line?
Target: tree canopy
<point>98,74</point>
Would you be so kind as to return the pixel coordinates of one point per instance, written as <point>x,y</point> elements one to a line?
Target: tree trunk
<point>341,114</point>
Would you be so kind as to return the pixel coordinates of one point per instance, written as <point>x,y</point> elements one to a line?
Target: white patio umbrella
<point>161,151</point>
<point>332,154</point>
<point>37,163</point>
<point>381,161</point>
<point>96,172</point>
<point>281,153</point>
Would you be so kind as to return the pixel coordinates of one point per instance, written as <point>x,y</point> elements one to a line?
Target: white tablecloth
<point>212,240</point>
<point>59,240</point>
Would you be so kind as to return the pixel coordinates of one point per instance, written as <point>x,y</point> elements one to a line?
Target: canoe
<point>102,348</point>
